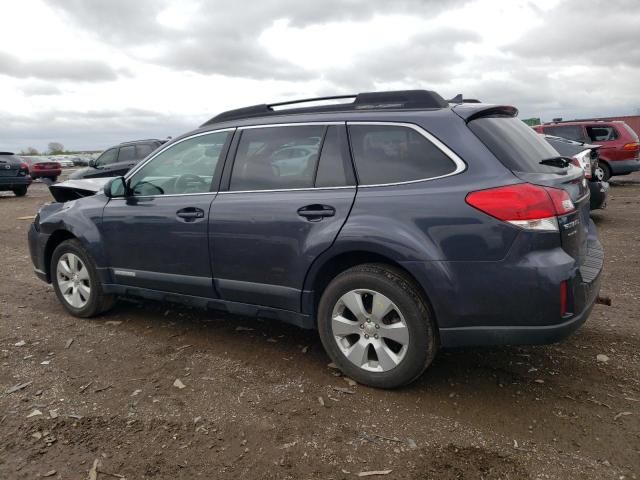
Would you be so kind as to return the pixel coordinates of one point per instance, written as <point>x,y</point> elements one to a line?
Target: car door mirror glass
<point>116,187</point>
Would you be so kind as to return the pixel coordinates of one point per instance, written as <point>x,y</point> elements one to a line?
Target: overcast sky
<point>91,73</point>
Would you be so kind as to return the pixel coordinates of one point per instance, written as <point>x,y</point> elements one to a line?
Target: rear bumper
<point>46,173</point>
<point>623,167</point>
<point>8,183</point>
<point>515,301</point>
<point>520,335</point>
<point>599,194</point>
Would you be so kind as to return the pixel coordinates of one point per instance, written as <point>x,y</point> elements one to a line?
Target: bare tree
<point>29,151</point>
<point>55,147</point>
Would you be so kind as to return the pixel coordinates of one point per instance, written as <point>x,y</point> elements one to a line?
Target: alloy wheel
<point>370,330</point>
<point>73,280</point>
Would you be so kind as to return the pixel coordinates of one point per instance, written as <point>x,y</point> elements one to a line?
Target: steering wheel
<point>184,181</point>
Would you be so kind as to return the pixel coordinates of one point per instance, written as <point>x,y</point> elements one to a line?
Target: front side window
<point>185,167</point>
<point>391,154</point>
<point>107,158</point>
<point>602,133</point>
<point>274,158</point>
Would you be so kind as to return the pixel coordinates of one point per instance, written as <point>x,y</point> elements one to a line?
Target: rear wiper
<point>560,162</point>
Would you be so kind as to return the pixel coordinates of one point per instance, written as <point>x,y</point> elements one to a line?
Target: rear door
<point>289,190</point>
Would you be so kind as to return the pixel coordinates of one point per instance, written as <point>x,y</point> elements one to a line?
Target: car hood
<point>74,189</point>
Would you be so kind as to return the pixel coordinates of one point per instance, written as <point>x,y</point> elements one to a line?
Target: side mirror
<point>92,163</point>
<point>116,188</point>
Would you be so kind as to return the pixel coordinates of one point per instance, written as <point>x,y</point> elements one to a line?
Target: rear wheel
<point>54,179</point>
<point>20,191</point>
<point>376,326</point>
<point>75,281</point>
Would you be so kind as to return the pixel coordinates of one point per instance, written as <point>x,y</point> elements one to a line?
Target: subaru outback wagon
<point>395,224</point>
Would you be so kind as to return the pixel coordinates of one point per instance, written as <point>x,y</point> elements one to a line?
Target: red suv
<point>620,152</point>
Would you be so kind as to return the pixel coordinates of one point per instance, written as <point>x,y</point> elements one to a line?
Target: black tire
<point>20,191</point>
<point>423,339</point>
<point>98,302</point>
<point>54,179</point>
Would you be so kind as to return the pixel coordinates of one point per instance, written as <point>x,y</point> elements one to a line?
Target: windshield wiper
<point>560,162</point>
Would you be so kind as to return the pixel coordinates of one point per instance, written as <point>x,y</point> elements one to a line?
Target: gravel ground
<point>257,399</point>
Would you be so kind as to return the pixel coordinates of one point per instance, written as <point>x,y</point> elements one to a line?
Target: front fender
<point>80,218</point>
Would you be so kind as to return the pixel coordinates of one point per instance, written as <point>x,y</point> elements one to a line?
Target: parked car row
<point>585,156</point>
<point>396,225</point>
<point>619,146</point>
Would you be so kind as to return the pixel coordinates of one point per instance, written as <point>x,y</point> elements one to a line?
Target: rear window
<point>572,132</point>
<point>563,147</point>
<point>391,154</point>
<point>516,145</point>
<point>633,134</point>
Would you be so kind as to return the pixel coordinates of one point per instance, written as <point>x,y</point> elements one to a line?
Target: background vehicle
<point>80,162</point>
<point>620,152</point>
<point>389,236</point>
<point>586,156</point>
<point>42,167</point>
<point>118,160</point>
<point>14,174</point>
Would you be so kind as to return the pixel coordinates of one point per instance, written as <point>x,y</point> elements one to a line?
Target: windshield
<point>515,144</point>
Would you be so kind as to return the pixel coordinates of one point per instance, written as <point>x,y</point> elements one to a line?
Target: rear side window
<point>391,154</point>
<point>572,132</point>
<point>273,158</point>
<point>334,169</point>
<point>127,153</point>
<point>143,150</point>
<point>517,146</point>
<point>601,133</point>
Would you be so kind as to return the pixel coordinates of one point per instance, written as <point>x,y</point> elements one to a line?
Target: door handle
<point>190,214</point>
<point>315,213</point>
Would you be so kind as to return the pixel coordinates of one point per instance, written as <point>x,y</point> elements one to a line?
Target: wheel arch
<point>324,270</point>
<point>53,241</point>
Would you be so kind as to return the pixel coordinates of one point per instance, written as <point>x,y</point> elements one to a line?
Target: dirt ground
<point>259,400</point>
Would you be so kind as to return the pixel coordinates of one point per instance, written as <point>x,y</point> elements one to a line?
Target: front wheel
<point>376,326</point>
<point>75,281</point>
<point>20,191</point>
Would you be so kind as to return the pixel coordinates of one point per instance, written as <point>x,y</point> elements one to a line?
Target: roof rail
<point>7,153</point>
<point>400,99</point>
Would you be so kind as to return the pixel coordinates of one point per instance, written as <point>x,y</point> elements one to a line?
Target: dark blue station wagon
<point>395,224</point>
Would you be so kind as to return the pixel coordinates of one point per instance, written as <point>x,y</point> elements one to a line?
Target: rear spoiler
<point>472,111</point>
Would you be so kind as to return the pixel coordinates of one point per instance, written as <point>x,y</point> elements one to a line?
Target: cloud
<point>599,32</point>
<point>72,70</point>
<point>424,58</point>
<point>40,89</point>
<point>222,37</point>
<point>94,129</point>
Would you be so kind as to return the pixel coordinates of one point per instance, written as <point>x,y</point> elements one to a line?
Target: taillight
<point>564,293</point>
<point>24,169</point>
<point>527,206</point>
<point>632,147</point>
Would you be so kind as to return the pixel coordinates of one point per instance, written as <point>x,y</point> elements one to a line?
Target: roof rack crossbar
<point>401,99</point>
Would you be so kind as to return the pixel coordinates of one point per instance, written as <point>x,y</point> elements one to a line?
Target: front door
<point>281,209</point>
<point>156,237</point>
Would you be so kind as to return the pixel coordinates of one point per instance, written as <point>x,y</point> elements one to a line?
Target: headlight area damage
<point>75,189</point>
